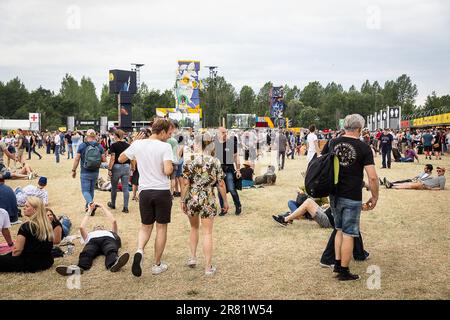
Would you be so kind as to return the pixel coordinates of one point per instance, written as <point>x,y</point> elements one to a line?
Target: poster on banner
<point>187,84</point>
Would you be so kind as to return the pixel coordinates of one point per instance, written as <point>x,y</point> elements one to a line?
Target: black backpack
<point>322,174</point>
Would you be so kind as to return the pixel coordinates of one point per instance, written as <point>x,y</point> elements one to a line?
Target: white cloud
<point>283,41</point>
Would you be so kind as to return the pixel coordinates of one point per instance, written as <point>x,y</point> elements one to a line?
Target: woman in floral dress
<point>201,174</point>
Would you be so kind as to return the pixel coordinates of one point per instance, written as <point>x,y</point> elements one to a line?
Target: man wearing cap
<point>435,183</point>
<point>88,176</point>
<point>32,191</point>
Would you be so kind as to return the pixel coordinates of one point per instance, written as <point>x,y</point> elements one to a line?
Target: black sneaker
<point>388,184</point>
<point>110,205</point>
<point>120,262</point>
<point>222,213</point>
<point>347,276</point>
<point>125,210</point>
<point>280,221</point>
<point>337,269</point>
<point>136,269</point>
<point>238,211</point>
<point>381,182</point>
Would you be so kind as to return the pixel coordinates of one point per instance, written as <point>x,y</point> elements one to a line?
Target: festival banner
<point>187,85</point>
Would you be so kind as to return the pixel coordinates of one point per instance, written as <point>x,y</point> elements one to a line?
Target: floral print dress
<point>204,173</point>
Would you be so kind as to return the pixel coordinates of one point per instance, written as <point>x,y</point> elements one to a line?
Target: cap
<point>91,133</point>
<point>42,181</point>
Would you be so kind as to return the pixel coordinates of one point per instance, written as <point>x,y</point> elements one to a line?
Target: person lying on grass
<point>320,214</point>
<point>435,183</point>
<point>97,242</point>
<point>426,174</point>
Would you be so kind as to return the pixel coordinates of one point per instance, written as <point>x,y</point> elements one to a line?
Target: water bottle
<point>70,249</point>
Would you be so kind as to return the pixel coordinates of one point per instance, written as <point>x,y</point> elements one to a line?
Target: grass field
<point>407,235</point>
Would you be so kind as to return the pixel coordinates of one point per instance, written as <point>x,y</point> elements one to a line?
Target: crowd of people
<point>163,163</point>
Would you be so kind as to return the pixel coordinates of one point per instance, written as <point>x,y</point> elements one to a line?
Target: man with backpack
<point>354,157</point>
<point>91,155</point>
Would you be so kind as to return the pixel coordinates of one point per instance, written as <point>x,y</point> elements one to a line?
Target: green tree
<point>70,91</point>
<point>312,94</point>
<point>263,100</point>
<point>308,116</point>
<point>406,93</point>
<point>13,97</point>
<point>293,111</point>
<point>88,99</point>
<point>246,100</point>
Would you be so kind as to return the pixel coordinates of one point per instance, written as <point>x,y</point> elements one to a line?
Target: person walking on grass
<point>154,160</point>
<point>119,171</point>
<point>355,157</point>
<point>226,150</point>
<point>91,155</point>
<point>198,200</point>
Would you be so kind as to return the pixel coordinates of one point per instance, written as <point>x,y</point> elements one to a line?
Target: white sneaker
<point>16,222</point>
<point>211,271</point>
<point>192,262</point>
<point>323,265</point>
<point>159,269</point>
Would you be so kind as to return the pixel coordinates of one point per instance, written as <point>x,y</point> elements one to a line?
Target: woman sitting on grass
<point>34,243</point>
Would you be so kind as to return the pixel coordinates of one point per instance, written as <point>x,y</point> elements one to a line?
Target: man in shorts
<point>154,159</point>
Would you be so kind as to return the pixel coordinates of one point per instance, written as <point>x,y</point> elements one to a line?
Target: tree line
<point>315,103</point>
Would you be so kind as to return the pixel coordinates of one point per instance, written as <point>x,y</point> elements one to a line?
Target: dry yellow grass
<point>407,235</point>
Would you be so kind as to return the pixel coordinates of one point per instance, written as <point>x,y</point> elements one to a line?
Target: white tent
<point>12,124</point>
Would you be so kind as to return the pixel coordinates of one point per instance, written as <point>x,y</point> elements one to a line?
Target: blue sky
<point>284,41</point>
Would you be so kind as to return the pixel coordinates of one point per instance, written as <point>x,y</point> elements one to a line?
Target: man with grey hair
<point>355,157</point>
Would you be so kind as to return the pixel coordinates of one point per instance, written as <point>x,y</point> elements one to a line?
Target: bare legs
<point>145,233</point>
<point>343,246</point>
<point>309,206</point>
<point>207,226</point>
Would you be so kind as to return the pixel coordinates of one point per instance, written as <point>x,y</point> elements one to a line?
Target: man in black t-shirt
<point>226,150</point>
<point>385,145</point>
<point>355,157</point>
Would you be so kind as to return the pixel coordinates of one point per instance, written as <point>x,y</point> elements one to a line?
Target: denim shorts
<point>346,214</point>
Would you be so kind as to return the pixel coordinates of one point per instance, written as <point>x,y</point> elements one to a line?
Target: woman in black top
<point>119,171</point>
<point>32,251</point>
<point>56,226</point>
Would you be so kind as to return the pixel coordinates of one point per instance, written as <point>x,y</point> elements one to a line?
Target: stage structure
<point>386,118</point>
<point>277,106</point>
<point>123,83</point>
<point>187,111</point>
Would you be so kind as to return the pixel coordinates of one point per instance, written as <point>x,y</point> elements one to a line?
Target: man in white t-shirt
<point>154,160</point>
<point>313,143</point>
<point>57,145</point>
